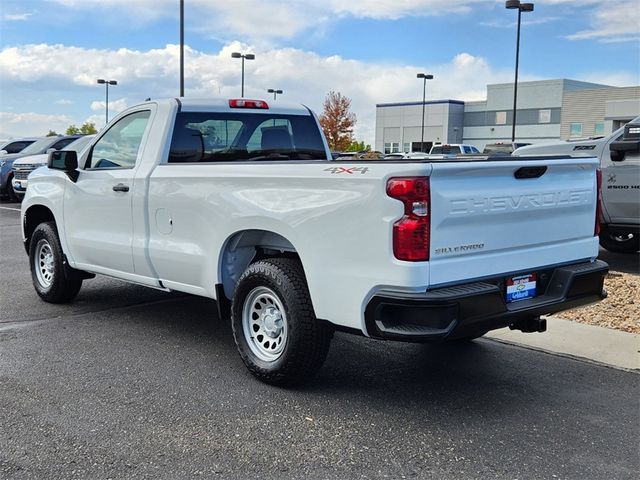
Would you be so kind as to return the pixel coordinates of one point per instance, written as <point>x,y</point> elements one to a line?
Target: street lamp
<point>275,92</point>
<point>424,77</point>
<point>182,48</point>
<point>106,104</point>
<point>521,7</point>
<point>248,56</point>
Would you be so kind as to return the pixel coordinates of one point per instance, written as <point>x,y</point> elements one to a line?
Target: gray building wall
<point>611,106</point>
<point>545,111</point>
<point>481,120</point>
<point>401,123</point>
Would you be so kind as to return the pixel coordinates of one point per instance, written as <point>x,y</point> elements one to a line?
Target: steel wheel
<point>264,324</point>
<point>44,263</point>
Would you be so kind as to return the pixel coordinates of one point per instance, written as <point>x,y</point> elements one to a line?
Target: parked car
<point>619,155</point>
<point>22,167</point>
<point>36,148</point>
<point>209,197</point>
<point>16,145</point>
<point>502,148</point>
<point>453,149</point>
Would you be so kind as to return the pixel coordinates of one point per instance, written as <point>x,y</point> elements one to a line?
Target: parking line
<point>9,208</point>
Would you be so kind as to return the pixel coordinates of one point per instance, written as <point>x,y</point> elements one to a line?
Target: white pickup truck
<point>619,155</point>
<point>240,202</point>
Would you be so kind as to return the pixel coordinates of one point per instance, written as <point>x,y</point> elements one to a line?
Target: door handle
<point>121,187</point>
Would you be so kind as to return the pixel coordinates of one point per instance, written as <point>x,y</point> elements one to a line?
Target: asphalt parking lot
<point>129,382</point>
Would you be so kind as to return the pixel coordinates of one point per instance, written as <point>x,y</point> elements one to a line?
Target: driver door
<point>97,208</point>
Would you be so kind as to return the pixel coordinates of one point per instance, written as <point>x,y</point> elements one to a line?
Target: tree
<point>52,133</point>
<point>337,121</point>
<point>86,128</point>
<point>356,146</point>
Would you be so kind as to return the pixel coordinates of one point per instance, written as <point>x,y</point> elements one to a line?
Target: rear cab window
<point>222,136</point>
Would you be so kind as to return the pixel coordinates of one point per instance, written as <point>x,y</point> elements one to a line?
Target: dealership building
<point>547,110</point>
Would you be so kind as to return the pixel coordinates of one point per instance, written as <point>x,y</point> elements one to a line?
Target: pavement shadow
<point>621,262</point>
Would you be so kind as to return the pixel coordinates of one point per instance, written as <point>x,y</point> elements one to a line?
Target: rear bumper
<point>467,309</point>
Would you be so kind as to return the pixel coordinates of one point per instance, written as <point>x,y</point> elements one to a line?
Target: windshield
<point>79,144</point>
<point>39,146</point>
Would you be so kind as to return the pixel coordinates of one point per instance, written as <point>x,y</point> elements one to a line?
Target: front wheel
<point>274,326</point>
<point>54,281</point>
<point>619,242</point>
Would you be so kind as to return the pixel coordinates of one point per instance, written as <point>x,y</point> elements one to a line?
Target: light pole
<point>248,56</point>
<point>106,104</point>
<point>275,92</point>
<point>424,77</point>
<point>521,7</point>
<point>182,48</point>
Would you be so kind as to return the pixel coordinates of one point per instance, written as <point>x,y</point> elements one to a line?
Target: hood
<point>10,156</point>
<point>40,158</point>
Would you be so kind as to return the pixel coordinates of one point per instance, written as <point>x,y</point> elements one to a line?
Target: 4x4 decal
<point>347,170</point>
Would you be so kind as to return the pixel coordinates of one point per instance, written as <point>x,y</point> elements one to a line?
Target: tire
<point>625,243</point>
<point>274,326</point>
<point>11,193</point>
<point>53,279</point>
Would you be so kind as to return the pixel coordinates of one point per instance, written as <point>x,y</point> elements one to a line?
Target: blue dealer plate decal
<point>521,287</point>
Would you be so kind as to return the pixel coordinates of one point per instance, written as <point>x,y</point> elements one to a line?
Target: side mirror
<point>49,150</point>
<point>3,152</point>
<point>65,160</point>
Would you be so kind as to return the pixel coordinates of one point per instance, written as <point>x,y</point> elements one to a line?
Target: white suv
<point>453,149</point>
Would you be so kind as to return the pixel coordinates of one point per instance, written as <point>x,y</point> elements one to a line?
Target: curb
<point>602,345</point>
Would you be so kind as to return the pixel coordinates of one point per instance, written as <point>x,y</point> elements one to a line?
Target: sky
<point>52,52</point>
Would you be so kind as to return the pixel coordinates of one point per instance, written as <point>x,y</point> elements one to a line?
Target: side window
<point>62,143</point>
<point>118,148</point>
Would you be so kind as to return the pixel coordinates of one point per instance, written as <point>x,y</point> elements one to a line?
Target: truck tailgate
<point>486,221</point>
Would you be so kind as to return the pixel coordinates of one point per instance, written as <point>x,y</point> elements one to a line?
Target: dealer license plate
<point>521,287</point>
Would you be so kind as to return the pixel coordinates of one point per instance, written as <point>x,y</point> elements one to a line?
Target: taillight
<point>246,103</point>
<point>596,229</point>
<point>411,232</point>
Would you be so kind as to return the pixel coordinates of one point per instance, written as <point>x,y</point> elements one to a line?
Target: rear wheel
<point>54,281</point>
<point>619,242</point>
<point>274,326</point>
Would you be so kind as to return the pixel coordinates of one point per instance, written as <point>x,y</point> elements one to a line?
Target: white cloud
<point>264,20</point>
<point>154,73</point>
<point>115,106</point>
<point>64,101</point>
<point>16,17</point>
<point>31,124</point>
<point>613,21</point>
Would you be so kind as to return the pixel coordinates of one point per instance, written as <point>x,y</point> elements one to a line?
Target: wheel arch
<point>244,247</point>
<point>34,216</point>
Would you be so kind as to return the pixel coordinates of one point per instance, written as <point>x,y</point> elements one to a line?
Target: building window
<point>544,116</point>
<point>575,130</point>
<point>501,118</point>
<point>599,129</point>
<point>395,147</point>
<point>407,147</point>
<point>387,148</point>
